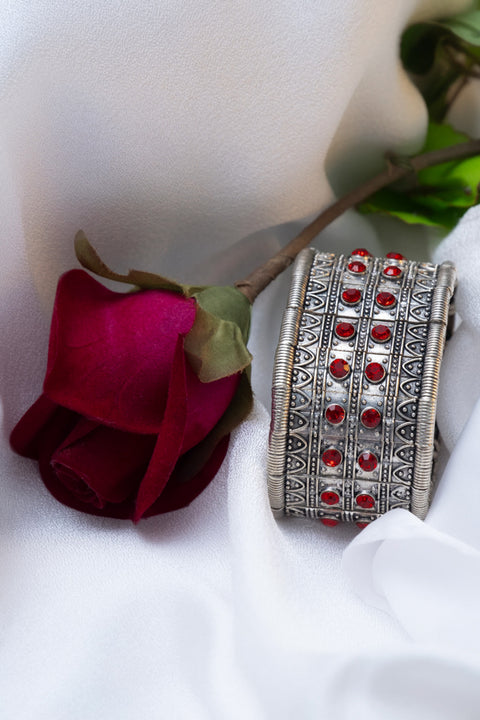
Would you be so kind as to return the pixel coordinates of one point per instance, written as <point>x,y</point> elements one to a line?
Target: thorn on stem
<point>401,161</point>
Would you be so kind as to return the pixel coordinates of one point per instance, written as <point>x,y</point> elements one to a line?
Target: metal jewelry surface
<point>355,386</point>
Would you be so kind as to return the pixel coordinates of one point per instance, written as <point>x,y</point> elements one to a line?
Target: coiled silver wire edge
<point>281,382</point>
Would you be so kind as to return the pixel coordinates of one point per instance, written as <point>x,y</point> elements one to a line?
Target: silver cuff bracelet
<point>355,386</point>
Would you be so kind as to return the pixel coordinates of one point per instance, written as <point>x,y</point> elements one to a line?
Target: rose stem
<point>259,279</point>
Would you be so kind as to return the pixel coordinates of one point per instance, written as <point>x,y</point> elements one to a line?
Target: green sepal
<point>216,344</point>
<point>240,407</point>
<point>89,258</point>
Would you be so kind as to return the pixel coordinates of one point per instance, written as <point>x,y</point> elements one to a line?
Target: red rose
<point>124,427</point>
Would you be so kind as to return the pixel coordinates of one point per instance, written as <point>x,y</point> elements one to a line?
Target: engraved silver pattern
<point>403,443</point>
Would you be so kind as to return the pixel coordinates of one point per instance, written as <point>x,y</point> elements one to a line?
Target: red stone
<point>339,368</point>
<point>362,525</point>
<point>329,497</point>
<point>386,299</point>
<point>357,267</point>
<point>367,462</point>
<point>351,296</point>
<point>371,418</point>
<point>332,457</point>
<point>375,372</point>
<point>394,256</point>
<point>365,501</point>
<point>345,330</point>
<point>335,414</point>
<point>362,252</point>
<point>330,522</point>
<point>392,271</point>
<point>381,333</point>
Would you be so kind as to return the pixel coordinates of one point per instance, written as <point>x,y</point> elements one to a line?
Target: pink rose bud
<point>122,426</point>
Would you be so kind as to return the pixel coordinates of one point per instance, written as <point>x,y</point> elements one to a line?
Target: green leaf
<point>401,206</point>
<point>89,258</point>
<point>465,26</point>
<point>456,182</point>
<point>441,135</point>
<point>439,54</point>
<point>216,344</point>
<point>440,195</point>
<point>418,47</point>
<point>453,194</point>
<point>240,407</point>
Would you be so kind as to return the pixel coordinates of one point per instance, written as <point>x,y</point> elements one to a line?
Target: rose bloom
<point>122,427</point>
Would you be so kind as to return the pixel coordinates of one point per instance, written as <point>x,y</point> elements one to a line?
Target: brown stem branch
<point>259,279</point>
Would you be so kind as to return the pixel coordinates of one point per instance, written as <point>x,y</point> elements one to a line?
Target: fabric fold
<point>427,574</point>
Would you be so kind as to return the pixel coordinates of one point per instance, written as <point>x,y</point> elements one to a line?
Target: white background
<point>194,139</point>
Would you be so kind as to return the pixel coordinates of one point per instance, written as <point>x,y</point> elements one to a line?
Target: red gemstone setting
<point>365,501</point>
<point>367,461</point>
<point>362,252</point>
<point>392,271</point>
<point>357,267</point>
<point>362,525</point>
<point>381,333</point>
<point>345,330</point>
<point>351,296</point>
<point>335,414</point>
<point>375,372</point>
<point>332,457</point>
<point>371,418</point>
<point>329,497</point>
<point>394,256</point>
<point>329,522</point>
<point>385,299</point>
<point>339,369</point>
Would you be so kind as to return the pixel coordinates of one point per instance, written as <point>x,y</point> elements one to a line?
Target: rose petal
<point>52,436</point>
<point>170,438</point>
<point>64,495</point>
<point>206,403</point>
<point>110,353</point>
<point>179,494</point>
<point>100,464</point>
<point>27,436</point>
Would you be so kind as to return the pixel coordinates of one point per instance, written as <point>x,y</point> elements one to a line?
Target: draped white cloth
<point>405,566</point>
<point>193,139</point>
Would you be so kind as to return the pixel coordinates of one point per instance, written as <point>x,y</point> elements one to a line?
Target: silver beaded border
<point>423,481</point>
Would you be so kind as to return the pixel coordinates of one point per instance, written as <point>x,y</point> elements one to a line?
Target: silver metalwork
<point>301,479</point>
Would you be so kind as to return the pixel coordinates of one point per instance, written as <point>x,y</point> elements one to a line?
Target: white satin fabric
<point>194,139</point>
<point>427,574</point>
